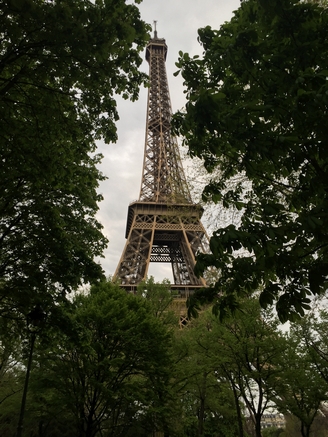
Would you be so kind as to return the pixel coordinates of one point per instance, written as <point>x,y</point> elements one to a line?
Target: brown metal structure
<point>164,224</point>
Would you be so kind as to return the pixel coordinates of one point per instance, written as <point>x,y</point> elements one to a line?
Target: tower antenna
<point>155,29</point>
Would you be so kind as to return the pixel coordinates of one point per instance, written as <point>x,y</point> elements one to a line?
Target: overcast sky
<point>177,22</point>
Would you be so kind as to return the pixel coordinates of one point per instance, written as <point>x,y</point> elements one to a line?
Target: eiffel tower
<point>164,224</point>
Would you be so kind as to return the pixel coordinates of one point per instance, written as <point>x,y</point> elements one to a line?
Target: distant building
<point>273,420</point>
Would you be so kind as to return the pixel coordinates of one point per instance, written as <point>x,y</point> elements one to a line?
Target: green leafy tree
<point>309,378</point>
<point>228,370</point>
<point>300,388</point>
<point>16,339</point>
<point>12,373</point>
<point>110,378</point>
<point>293,426</point>
<point>244,350</point>
<point>257,105</point>
<point>62,63</point>
<point>11,388</point>
<point>314,332</point>
<point>204,399</point>
<point>250,346</point>
<point>160,298</point>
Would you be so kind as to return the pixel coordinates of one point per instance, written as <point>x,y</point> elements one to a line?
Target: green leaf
<point>256,116</point>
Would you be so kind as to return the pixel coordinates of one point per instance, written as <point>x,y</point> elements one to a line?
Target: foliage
<point>112,376</point>
<point>228,370</point>
<point>11,373</point>
<point>105,364</point>
<point>314,331</point>
<point>160,298</point>
<point>293,426</point>
<point>257,105</point>
<point>61,64</point>
<point>272,432</point>
<point>301,385</point>
<point>250,346</point>
<point>205,402</point>
<point>197,178</point>
<point>322,3</point>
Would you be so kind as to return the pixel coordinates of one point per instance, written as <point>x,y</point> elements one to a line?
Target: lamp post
<point>34,320</point>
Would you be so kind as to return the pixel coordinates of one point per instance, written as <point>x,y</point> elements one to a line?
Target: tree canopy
<point>257,104</point>
<point>105,363</point>
<point>107,374</point>
<point>62,64</point>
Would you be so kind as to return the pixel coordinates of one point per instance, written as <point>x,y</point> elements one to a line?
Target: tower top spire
<point>155,29</point>
<point>156,45</point>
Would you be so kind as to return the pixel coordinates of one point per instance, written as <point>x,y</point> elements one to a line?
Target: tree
<point>12,373</point>
<point>227,368</point>
<point>314,330</point>
<point>62,63</point>
<point>308,381</point>
<point>250,347</point>
<point>257,105</point>
<point>300,387</point>
<point>160,298</point>
<point>110,377</point>
<point>204,399</point>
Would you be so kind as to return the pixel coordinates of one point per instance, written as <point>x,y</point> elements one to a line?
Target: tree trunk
<point>201,414</point>
<point>238,410</point>
<point>258,431</point>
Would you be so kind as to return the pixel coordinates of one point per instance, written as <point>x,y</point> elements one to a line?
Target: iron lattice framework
<point>164,224</point>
